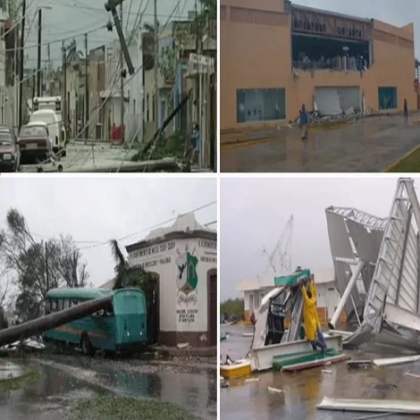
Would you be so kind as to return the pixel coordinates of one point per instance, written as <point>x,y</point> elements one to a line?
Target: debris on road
<point>373,416</point>
<point>412,375</point>
<point>396,360</point>
<point>359,364</point>
<point>275,390</point>
<point>370,405</point>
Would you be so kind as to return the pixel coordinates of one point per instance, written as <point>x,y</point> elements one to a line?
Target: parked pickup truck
<point>9,151</point>
<point>35,143</point>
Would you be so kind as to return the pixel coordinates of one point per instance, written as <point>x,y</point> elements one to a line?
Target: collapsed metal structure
<point>271,338</point>
<point>377,266</point>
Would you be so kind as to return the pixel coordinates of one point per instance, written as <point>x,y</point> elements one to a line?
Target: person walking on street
<point>195,142</point>
<point>304,121</point>
<point>405,109</point>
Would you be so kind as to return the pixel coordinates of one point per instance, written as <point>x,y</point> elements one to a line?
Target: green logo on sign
<point>187,278</point>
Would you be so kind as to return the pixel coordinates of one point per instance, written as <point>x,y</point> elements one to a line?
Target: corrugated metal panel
<point>367,242</point>
<point>338,235</point>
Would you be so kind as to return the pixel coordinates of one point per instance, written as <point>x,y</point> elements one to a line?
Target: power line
<point>96,244</point>
<point>152,227</point>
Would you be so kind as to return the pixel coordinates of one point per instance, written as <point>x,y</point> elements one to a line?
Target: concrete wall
<point>255,53</point>
<point>181,313</point>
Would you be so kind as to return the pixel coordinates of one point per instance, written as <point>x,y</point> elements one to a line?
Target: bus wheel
<point>86,345</point>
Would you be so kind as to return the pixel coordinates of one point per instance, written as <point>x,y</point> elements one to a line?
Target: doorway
<point>212,307</point>
<point>153,313</point>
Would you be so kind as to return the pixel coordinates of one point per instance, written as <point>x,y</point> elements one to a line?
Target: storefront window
<point>260,105</point>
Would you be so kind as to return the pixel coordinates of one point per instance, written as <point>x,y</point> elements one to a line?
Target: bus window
<point>54,305</point>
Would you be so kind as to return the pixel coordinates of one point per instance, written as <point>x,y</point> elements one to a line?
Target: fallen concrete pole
<point>372,406</point>
<point>346,295</point>
<point>49,322</point>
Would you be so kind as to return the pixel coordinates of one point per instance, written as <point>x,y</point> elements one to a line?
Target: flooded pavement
<point>304,390</point>
<point>61,383</point>
<point>370,145</point>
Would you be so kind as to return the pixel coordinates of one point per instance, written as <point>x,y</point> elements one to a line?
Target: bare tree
<point>39,266</point>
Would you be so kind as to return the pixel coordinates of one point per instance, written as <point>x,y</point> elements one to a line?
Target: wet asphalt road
<point>371,145</point>
<point>303,391</point>
<point>66,380</point>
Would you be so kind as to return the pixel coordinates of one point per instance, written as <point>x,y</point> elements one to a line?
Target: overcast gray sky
<point>254,212</point>
<point>72,18</point>
<point>92,209</point>
<point>395,12</point>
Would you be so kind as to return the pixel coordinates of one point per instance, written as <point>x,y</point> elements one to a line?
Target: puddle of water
<point>11,371</point>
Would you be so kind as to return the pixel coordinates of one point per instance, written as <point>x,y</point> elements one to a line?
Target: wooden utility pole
<point>122,81</point>
<point>49,69</point>
<point>64,111</point>
<point>86,88</point>
<point>156,69</point>
<point>38,91</point>
<point>22,56</point>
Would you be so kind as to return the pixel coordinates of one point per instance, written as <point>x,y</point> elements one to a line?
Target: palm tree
<point>121,265</point>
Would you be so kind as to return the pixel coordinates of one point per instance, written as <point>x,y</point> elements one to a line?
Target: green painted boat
<point>292,279</point>
<point>304,357</point>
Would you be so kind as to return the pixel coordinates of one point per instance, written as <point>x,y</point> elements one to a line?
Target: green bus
<point>119,327</point>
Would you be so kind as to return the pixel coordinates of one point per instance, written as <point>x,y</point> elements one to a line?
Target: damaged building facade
<point>183,258</point>
<point>276,56</point>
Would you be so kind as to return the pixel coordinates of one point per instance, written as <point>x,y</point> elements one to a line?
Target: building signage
<point>208,244</point>
<point>154,263</point>
<point>153,250</point>
<point>208,259</point>
<point>186,316</point>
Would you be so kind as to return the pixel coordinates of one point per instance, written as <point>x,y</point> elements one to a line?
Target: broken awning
<point>292,279</point>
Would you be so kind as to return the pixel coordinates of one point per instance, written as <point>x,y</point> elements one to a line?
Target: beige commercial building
<point>276,56</point>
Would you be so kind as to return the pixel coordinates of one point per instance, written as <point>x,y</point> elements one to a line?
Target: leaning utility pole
<point>64,76</point>
<point>22,56</point>
<point>86,88</point>
<point>122,82</point>
<point>38,91</point>
<point>156,40</point>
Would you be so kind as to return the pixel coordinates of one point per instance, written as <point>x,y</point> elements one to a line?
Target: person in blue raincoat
<point>304,121</point>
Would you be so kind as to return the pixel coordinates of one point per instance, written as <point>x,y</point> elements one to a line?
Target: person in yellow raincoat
<point>310,318</point>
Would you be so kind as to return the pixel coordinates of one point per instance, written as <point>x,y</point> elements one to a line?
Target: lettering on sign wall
<point>156,251</point>
<point>186,283</point>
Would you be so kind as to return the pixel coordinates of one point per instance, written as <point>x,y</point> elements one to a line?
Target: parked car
<point>9,150</point>
<point>35,143</point>
<point>55,126</point>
